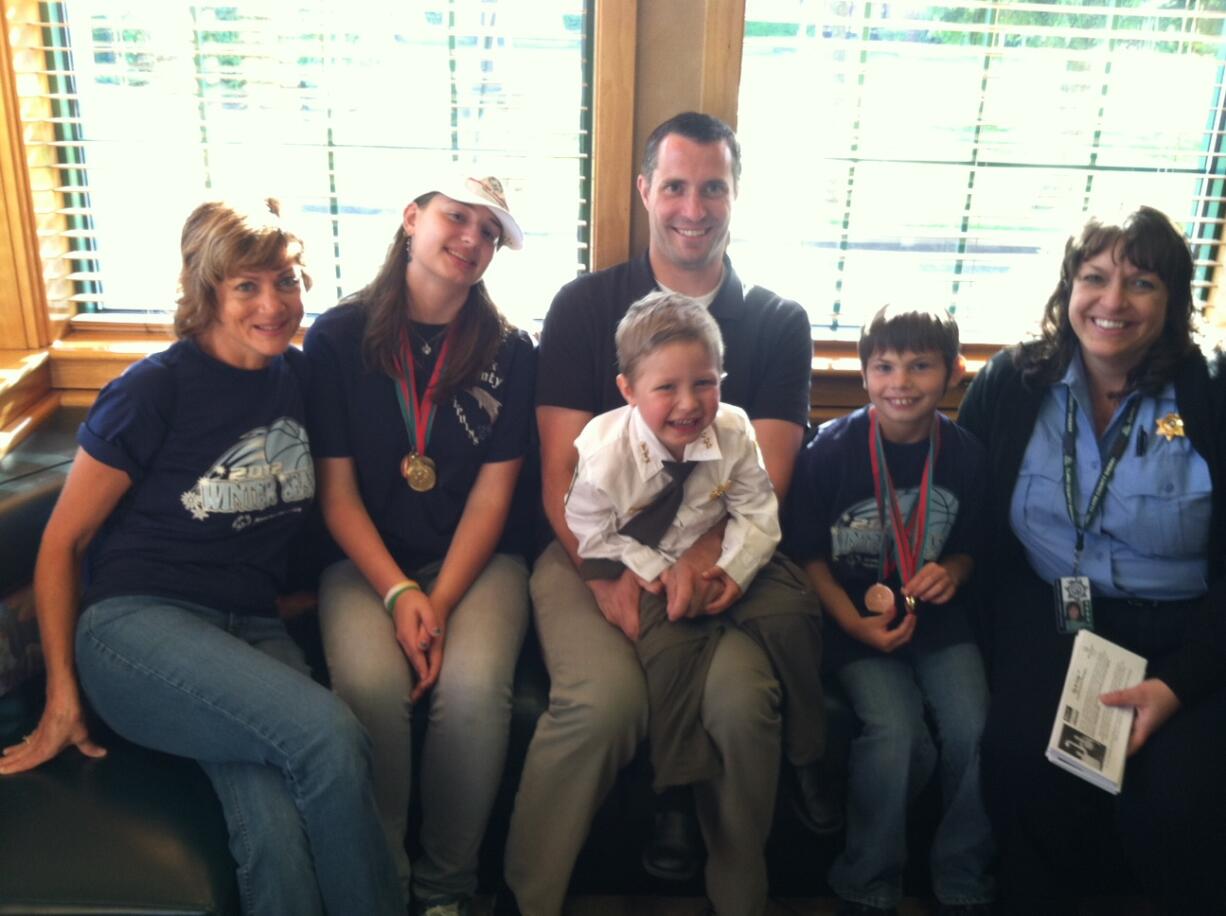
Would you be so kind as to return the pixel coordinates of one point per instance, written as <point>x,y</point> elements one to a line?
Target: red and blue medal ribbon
<point>907,536</point>
<point>418,413</point>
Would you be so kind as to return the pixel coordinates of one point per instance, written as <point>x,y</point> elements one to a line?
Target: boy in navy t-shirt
<point>883,518</point>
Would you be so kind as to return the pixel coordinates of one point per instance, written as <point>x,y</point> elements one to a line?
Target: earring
<point>408,247</point>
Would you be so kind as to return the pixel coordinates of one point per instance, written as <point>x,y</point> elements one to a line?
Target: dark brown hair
<point>698,127</point>
<point>1151,242</point>
<point>478,329</point>
<point>221,239</point>
<point>910,330</point>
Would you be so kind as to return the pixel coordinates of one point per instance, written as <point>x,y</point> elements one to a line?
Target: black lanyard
<point>1070,470</point>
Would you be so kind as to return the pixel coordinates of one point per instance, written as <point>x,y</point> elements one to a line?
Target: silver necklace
<point>427,343</point>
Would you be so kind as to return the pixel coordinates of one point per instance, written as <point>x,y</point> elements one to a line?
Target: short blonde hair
<point>221,239</point>
<point>661,318</point>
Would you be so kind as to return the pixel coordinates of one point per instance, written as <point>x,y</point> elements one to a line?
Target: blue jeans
<point>892,758</point>
<point>289,762</point>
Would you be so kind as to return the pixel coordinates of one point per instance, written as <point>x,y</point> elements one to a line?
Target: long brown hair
<point>1151,242</point>
<point>476,334</point>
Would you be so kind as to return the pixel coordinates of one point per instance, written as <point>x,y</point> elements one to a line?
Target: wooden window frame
<point>46,361</point>
<point>639,79</point>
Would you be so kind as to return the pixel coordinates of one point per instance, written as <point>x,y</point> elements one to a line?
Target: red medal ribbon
<point>419,413</point>
<point>908,536</point>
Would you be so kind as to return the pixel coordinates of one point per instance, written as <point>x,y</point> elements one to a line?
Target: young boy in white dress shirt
<point>652,478</point>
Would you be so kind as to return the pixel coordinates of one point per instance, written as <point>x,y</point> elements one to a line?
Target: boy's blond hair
<point>661,318</point>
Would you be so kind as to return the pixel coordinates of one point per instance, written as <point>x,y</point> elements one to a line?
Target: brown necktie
<point>649,525</point>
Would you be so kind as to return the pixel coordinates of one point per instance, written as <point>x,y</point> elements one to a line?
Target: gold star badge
<point>1170,426</point>
<point>719,491</point>
<point>643,452</point>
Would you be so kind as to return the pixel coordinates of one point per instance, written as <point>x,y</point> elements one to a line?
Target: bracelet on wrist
<point>394,593</point>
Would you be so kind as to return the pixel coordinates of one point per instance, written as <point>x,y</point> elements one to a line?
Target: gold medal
<point>909,601</point>
<point>879,599</point>
<point>419,472</point>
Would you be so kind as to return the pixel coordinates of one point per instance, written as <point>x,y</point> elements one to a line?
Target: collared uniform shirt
<point>1150,538</point>
<point>621,470</point>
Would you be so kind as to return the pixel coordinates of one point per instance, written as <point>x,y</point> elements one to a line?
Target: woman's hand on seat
<point>62,724</point>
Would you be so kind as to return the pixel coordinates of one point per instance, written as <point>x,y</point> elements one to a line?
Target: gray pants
<point>469,709</point>
<point>596,718</point>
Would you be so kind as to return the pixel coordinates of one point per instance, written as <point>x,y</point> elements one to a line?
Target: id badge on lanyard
<point>1074,594</point>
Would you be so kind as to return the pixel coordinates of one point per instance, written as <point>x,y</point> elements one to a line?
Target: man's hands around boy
<point>690,592</point>
<point>618,600</point>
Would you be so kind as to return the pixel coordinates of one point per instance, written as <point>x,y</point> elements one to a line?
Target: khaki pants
<point>598,714</point>
<point>783,617</point>
<point>469,710</point>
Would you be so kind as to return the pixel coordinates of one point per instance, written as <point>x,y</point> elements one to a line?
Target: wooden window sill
<point>26,395</point>
<point>100,347</point>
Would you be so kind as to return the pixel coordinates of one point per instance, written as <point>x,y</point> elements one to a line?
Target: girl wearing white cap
<point>420,410</point>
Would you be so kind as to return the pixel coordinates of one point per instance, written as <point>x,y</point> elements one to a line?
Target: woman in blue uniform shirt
<point>1105,468</point>
<point>193,473</point>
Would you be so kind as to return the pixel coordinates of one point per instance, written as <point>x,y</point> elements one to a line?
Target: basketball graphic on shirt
<point>855,538</point>
<point>247,452</point>
<point>267,466</point>
<point>287,445</point>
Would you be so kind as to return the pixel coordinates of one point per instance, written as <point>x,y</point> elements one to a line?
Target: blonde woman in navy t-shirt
<point>194,472</point>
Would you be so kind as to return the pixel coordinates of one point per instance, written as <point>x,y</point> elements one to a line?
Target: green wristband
<point>394,593</point>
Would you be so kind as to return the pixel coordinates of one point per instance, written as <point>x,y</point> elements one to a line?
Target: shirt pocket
<point>1038,499</point>
<point>1162,503</point>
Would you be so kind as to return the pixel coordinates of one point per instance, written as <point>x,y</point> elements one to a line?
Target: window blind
<point>150,106</point>
<point>945,151</point>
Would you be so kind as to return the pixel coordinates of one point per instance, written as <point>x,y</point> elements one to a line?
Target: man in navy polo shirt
<point>598,701</point>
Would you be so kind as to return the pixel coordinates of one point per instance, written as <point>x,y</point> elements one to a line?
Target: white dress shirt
<point>621,470</point>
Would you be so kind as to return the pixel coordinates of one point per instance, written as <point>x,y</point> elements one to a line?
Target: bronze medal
<point>879,599</point>
<point>419,472</point>
<point>907,535</point>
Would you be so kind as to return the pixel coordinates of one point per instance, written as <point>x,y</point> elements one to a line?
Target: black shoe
<point>817,800</point>
<point>673,852</point>
<point>504,902</point>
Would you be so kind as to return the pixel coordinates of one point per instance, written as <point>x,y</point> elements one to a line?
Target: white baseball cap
<point>481,192</point>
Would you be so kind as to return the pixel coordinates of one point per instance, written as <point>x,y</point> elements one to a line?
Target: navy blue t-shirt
<point>833,515</point>
<point>354,414</point>
<point>221,479</point>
